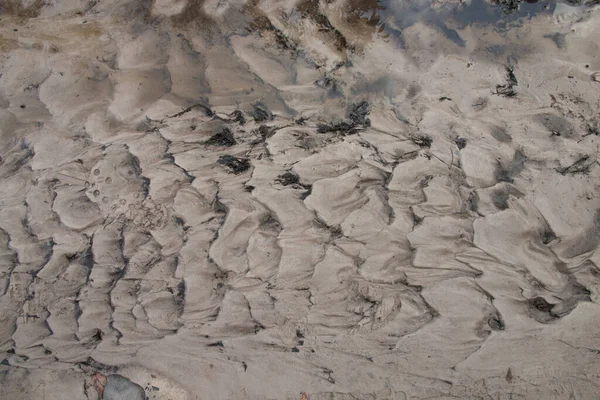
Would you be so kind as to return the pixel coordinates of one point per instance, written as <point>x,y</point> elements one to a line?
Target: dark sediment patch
<point>501,135</point>
<point>310,9</point>
<point>548,236</point>
<point>500,199</point>
<point>288,178</point>
<point>558,39</point>
<point>235,165</point>
<point>422,141</point>
<point>508,172</point>
<point>237,116</point>
<point>224,137</point>
<point>260,112</point>
<point>541,310</point>
<point>557,125</point>
<point>356,119</point>
<point>495,322</point>
<point>508,89</point>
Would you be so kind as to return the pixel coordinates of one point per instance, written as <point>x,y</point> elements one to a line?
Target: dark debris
<point>260,112</point>
<point>234,164</point>
<point>237,116</point>
<point>581,166</point>
<point>356,119</point>
<point>288,178</point>
<point>422,141</point>
<point>224,137</point>
<point>508,89</point>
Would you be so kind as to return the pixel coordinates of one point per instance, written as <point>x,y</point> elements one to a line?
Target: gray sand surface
<point>341,199</point>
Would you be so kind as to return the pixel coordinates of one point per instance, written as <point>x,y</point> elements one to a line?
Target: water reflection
<point>395,16</point>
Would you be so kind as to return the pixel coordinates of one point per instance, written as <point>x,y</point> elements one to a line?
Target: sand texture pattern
<point>342,199</point>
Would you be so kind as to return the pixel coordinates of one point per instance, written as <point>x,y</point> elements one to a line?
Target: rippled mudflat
<point>344,199</point>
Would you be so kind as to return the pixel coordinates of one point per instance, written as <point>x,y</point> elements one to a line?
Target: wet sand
<point>284,200</point>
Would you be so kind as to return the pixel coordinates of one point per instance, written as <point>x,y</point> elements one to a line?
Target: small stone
<point>120,388</point>
<point>596,76</point>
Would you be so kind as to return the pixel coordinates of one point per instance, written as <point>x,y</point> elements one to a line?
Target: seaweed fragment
<point>356,119</point>
<point>358,113</point>
<point>260,112</point>
<point>422,141</point>
<point>237,116</point>
<point>204,107</point>
<point>265,131</point>
<point>336,127</point>
<point>508,6</point>
<point>288,178</point>
<point>223,137</point>
<point>234,164</point>
<point>593,128</point>
<point>508,89</point>
<point>581,166</point>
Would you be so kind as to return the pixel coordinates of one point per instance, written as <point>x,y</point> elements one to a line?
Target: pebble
<point>120,388</point>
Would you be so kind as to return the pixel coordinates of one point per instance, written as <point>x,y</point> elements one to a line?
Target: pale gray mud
<point>341,199</point>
